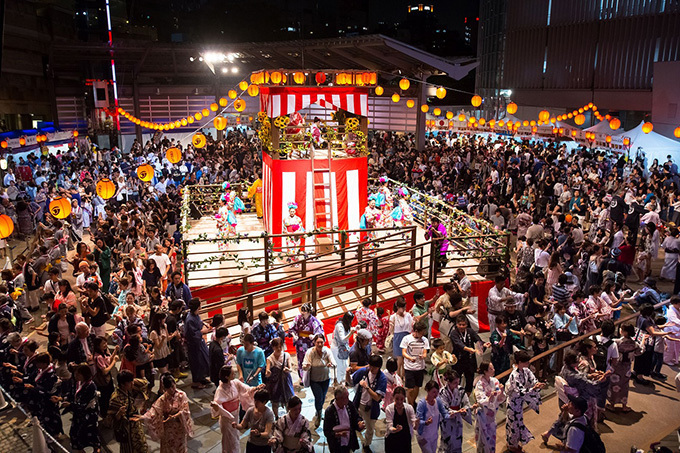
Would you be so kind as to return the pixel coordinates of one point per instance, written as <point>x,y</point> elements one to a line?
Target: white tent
<point>602,128</point>
<point>655,146</point>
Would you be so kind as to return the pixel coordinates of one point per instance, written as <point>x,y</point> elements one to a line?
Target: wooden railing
<point>361,273</point>
<point>266,261</point>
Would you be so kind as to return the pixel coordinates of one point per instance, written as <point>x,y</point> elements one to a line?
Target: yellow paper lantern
<point>395,97</point>
<point>437,111</point>
<point>379,90</point>
<point>214,106</point>
<point>462,117</point>
<point>174,154</point>
<point>492,123</point>
<point>626,141</point>
<point>424,108</point>
<point>482,121</point>
<point>511,108</point>
<point>580,110</point>
<point>676,132</point>
<point>223,102</point>
<point>404,84</point>
<point>553,120</point>
<point>60,208</point>
<point>220,123</point>
<point>106,188</point>
<point>275,78</point>
<point>299,78</point>
<point>441,92</point>
<point>243,85</point>
<point>532,123</point>
<point>410,103</point>
<point>6,226</point>
<point>183,122</point>
<point>145,172</point>
<point>472,120</point>
<point>239,105</point>
<point>232,94</point>
<point>647,127</point>
<point>190,120</point>
<point>205,112</point>
<point>476,100</point>
<point>573,133</point>
<point>449,115</point>
<point>253,90</point>
<point>501,123</point>
<point>198,116</point>
<point>608,138</point>
<point>198,140</point>
<point>525,123</point>
<point>570,115</point>
<point>544,115</point>
<point>614,123</point>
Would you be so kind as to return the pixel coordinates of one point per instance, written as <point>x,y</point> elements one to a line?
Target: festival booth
<point>654,145</point>
<point>321,166</point>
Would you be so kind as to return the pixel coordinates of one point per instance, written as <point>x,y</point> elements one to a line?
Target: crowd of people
<point>106,288</point>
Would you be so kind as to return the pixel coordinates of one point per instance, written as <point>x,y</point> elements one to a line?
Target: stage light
<point>191,58</point>
<point>234,70</point>
<point>225,70</point>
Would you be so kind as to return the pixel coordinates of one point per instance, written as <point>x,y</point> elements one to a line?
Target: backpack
<point>600,357</point>
<point>592,443</point>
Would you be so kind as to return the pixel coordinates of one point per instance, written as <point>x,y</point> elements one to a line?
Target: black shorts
<point>161,363</point>
<point>413,378</point>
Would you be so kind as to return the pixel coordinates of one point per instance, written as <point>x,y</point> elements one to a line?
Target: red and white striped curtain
<point>277,101</point>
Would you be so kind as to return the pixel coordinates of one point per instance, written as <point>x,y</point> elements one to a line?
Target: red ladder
<point>323,195</point>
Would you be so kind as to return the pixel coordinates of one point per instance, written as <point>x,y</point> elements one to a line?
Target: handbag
<point>343,351</point>
<point>306,378</point>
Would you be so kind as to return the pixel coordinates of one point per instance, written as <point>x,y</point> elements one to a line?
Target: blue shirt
<point>249,362</point>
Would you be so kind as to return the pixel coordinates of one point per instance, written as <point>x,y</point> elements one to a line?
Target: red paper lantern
<point>320,77</point>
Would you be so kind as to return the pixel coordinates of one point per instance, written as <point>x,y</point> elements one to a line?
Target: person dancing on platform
<point>402,213</point>
<point>372,218</point>
<point>226,221</point>
<point>385,202</point>
<point>233,198</point>
<point>292,225</point>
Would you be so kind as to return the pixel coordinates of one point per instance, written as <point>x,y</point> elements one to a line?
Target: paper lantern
<point>449,115</point>
<point>580,110</point>
<point>573,133</point>
<point>555,130</point>
<point>106,188</point>
<point>320,77</point>
<point>501,123</point>
<point>174,154</point>
<point>553,120</point>
<point>424,108</point>
<point>220,123</point>
<point>223,102</point>
<point>676,132</point>
<point>299,78</point>
<point>232,94</point>
<point>145,172</point>
<point>198,140</point>
<point>198,116</point>
<point>626,141</point>
<point>509,123</point>
<point>580,119</point>
<point>492,123</point>
<point>461,117</point>
<point>511,108</point>
<point>75,134</point>
<point>214,106</point>
<point>395,97</point>
<point>544,115</point>
<point>6,226</point>
<point>532,123</point>
<point>253,90</point>
<point>437,111</point>
<point>276,77</point>
<point>561,130</point>
<point>476,100</point>
<point>647,127</point>
<point>205,112</point>
<point>379,90</point>
<point>525,123</point>
<point>3,144</point>
<point>472,120</point>
<point>482,121</point>
<point>534,129</point>
<point>608,117</point>
<point>239,105</point>
<point>404,84</point>
<point>22,141</point>
<point>60,208</point>
<point>570,115</point>
<point>441,92</point>
<point>243,85</point>
<point>608,139</point>
<point>410,103</point>
<point>183,122</point>
<point>190,120</point>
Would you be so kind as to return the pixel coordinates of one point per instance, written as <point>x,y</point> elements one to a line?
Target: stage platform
<point>249,251</point>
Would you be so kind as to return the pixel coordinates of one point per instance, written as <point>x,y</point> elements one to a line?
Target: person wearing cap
<point>569,427</point>
<point>360,351</point>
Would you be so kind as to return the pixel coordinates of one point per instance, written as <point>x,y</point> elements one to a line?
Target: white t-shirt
<point>414,347</point>
<point>365,395</point>
<point>402,323</point>
<point>162,262</point>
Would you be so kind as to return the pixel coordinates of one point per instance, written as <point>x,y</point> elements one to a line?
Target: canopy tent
<point>602,128</point>
<point>655,146</point>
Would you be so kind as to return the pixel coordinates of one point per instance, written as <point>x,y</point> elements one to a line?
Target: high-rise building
<point>563,54</point>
